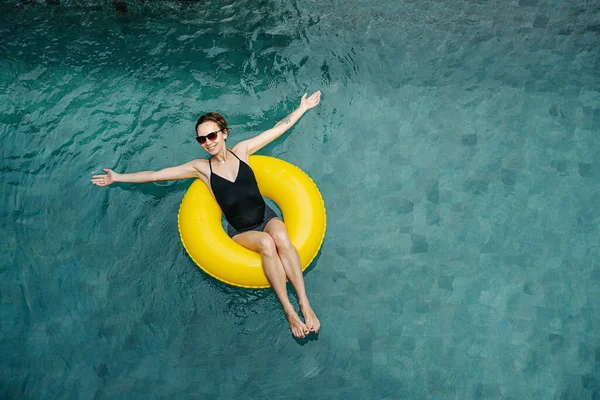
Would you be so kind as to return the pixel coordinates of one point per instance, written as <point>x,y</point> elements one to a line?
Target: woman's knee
<point>267,245</point>
<point>282,241</point>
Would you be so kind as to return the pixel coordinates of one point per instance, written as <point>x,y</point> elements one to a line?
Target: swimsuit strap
<point>210,165</point>
<point>234,154</point>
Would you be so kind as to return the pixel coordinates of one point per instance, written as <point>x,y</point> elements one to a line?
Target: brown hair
<point>213,117</point>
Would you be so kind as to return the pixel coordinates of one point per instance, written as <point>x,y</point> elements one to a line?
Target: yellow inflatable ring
<point>219,256</point>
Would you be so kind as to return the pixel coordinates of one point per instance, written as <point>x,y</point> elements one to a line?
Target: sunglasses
<point>211,136</point>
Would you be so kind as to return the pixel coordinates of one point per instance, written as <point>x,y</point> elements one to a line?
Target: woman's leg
<point>263,243</point>
<point>293,269</point>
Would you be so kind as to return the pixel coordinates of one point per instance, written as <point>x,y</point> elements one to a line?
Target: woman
<point>251,223</point>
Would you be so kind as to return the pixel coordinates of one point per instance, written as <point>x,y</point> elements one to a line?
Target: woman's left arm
<point>256,143</point>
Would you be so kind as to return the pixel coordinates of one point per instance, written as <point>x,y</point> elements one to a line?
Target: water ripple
<point>455,148</point>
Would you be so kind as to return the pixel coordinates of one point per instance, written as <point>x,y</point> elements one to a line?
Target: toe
<point>298,331</point>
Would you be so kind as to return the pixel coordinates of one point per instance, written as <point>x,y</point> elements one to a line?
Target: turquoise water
<point>456,147</point>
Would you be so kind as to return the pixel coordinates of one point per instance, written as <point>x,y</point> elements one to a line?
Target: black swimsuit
<point>240,200</point>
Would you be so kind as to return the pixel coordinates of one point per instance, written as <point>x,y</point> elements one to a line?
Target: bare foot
<point>312,322</point>
<point>298,328</point>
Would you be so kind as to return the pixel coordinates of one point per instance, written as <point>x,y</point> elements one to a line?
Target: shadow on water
<point>315,261</point>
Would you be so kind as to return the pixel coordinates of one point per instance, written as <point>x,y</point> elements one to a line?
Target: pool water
<point>456,147</point>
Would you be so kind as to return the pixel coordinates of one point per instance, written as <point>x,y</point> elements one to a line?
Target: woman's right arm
<point>184,171</point>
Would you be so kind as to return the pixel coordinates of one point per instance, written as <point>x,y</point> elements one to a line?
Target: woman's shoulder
<point>201,164</point>
<point>240,150</point>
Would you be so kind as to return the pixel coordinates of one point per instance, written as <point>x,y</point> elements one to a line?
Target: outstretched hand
<point>105,180</point>
<point>310,102</point>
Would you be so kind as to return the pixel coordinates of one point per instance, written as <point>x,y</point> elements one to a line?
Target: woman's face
<point>211,137</point>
